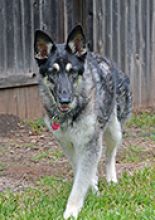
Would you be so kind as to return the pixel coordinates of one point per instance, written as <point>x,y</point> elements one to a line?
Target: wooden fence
<point>123,30</point>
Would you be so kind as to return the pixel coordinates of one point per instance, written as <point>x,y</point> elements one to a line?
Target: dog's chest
<point>79,134</point>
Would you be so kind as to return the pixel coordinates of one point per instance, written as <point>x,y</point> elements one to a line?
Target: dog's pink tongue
<point>55,126</point>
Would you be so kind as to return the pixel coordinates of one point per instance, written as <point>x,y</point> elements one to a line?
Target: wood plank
<point>9,16</point>
<point>94,35</point>
<point>60,18</point>
<point>142,24</point>
<point>37,14</point>
<point>109,28</point>
<point>88,13</point>
<point>69,7</point>
<point>99,27</point>
<point>19,59</point>
<point>123,36</point>
<point>65,20</point>
<point>3,42</point>
<point>148,51</point>
<point>10,81</point>
<point>152,83</point>
<point>22,25</point>
<point>23,102</point>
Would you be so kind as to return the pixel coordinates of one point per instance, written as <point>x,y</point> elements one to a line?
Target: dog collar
<point>55,125</point>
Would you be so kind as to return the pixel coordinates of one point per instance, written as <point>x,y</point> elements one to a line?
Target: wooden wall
<point>123,30</point>
<point>21,101</point>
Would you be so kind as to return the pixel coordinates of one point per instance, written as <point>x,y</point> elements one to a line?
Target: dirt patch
<point>8,124</point>
<point>25,156</point>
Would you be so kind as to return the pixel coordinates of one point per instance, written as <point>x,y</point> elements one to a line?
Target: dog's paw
<point>112,180</point>
<point>111,177</point>
<point>71,212</point>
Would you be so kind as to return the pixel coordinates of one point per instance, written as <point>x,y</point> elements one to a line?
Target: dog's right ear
<point>43,45</point>
<point>76,42</point>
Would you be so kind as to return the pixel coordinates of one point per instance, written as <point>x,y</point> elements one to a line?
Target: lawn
<point>132,199</point>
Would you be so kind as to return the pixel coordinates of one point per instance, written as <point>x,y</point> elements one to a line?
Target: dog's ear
<point>43,45</point>
<point>76,42</point>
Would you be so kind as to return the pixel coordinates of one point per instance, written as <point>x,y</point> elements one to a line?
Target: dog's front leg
<point>86,170</point>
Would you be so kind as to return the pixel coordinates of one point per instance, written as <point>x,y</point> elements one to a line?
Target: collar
<point>55,123</point>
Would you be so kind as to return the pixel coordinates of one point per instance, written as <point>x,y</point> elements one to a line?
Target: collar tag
<point>55,126</point>
<point>55,123</point>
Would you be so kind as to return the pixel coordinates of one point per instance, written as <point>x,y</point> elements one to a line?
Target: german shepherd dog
<point>87,100</point>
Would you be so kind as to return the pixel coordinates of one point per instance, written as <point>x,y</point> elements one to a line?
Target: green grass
<point>36,125</point>
<point>133,154</point>
<point>142,120</point>
<point>132,199</point>
<point>152,137</point>
<point>54,155</point>
<point>2,166</point>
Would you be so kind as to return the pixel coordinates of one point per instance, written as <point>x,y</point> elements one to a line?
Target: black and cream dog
<point>87,100</point>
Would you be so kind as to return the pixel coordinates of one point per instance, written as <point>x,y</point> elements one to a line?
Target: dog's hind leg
<point>113,139</point>
<point>86,170</point>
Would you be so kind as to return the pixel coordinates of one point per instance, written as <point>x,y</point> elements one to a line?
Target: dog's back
<point>123,88</point>
<point>113,89</point>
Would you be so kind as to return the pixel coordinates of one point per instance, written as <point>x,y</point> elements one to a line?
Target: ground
<point>28,152</point>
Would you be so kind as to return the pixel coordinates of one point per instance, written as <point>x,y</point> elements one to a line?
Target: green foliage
<point>133,154</point>
<point>132,198</point>
<point>142,120</point>
<point>2,166</point>
<point>54,155</point>
<point>36,125</point>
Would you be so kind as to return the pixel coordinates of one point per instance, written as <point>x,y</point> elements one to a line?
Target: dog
<point>87,100</point>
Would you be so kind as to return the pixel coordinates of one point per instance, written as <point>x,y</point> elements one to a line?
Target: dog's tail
<point>123,96</point>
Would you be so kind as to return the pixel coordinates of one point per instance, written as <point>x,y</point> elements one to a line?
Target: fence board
<point>24,102</point>
<point>123,30</point>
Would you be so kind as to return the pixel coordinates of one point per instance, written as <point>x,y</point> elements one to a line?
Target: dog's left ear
<point>76,42</point>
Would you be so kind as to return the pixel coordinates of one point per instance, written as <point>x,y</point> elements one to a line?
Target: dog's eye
<point>69,68</point>
<point>56,67</point>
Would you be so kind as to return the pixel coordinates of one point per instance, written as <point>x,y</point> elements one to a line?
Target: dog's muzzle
<point>64,104</point>
<point>63,107</point>
<point>64,100</point>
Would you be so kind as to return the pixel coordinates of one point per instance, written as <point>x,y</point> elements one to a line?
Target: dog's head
<point>61,65</point>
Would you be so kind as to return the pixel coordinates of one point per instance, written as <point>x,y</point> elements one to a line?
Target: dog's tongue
<point>55,126</point>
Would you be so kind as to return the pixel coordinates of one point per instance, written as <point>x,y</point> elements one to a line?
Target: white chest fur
<point>79,134</point>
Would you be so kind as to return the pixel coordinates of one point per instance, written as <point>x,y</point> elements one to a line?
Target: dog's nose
<point>64,97</point>
<point>64,101</point>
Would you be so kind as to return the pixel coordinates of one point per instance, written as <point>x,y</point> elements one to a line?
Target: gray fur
<point>100,103</point>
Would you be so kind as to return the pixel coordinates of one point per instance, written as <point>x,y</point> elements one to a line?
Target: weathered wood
<point>10,81</point>
<point>123,30</point>
<point>152,84</point>
<point>3,42</point>
<point>24,102</point>
<point>9,5</point>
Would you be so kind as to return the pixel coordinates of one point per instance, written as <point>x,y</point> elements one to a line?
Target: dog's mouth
<point>64,108</point>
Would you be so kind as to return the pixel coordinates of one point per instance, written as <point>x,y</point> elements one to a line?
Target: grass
<point>133,154</point>
<point>36,125</point>
<point>2,166</point>
<point>131,199</point>
<point>142,120</point>
<point>54,155</point>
